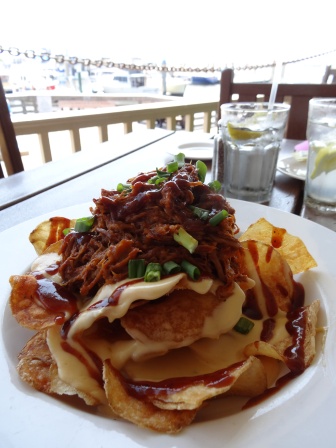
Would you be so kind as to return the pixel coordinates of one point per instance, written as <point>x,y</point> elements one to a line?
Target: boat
<point>176,85</point>
<point>122,81</point>
<point>203,80</point>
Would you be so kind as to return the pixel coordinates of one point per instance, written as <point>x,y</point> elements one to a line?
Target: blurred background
<point>175,33</point>
<point>69,55</point>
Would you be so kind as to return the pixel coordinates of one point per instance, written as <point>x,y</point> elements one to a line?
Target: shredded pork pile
<point>140,222</point>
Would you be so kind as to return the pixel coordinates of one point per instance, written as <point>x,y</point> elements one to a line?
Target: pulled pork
<point>141,222</point>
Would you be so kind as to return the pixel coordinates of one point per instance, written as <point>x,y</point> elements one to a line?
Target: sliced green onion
<point>215,185</point>
<point>186,240</point>
<point>190,269</point>
<point>215,220</point>
<point>180,159</point>
<point>124,187</point>
<point>153,272</point>
<point>162,173</point>
<point>202,213</point>
<point>84,224</point>
<point>202,170</point>
<point>244,325</point>
<point>156,180</point>
<point>136,268</point>
<point>68,230</point>
<point>172,167</point>
<point>170,267</point>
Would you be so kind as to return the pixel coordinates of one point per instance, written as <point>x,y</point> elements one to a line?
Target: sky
<point>181,32</point>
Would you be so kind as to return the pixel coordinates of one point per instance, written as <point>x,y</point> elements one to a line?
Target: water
<point>245,162</point>
<point>250,170</point>
<point>320,190</point>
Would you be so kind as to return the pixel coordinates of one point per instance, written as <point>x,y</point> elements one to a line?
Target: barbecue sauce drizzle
<point>56,298</point>
<point>160,389</point>
<point>57,225</point>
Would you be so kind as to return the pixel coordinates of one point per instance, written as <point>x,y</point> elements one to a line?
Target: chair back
<point>8,144</point>
<point>297,95</point>
<point>329,75</point>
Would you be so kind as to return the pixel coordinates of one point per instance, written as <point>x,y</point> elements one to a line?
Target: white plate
<point>195,150</point>
<point>293,167</point>
<point>301,414</point>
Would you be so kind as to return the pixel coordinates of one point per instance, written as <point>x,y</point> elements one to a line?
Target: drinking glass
<point>247,147</point>
<point>320,185</point>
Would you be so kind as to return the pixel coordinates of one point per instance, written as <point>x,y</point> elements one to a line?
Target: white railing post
<point>73,121</point>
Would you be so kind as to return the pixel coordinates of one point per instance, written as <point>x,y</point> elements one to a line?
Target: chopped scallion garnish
<point>244,325</point>
<point>202,170</point>
<point>170,267</point>
<point>161,176</point>
<point>68,230</point>
<point>180,159</point>
<point>215,220</point>
<point>186,240</point>
<point>172,167</point>
<point>162,173</point>
<point>124,187</point>
<point>136,268</point>
<point>156,180</point>
<point>215,185</point>
<point>153,272</point>
<point>200,212</point>
<point>191,270</point>
<point>84,224</point>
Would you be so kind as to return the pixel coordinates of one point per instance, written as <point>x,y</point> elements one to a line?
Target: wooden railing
<point>169,111</point>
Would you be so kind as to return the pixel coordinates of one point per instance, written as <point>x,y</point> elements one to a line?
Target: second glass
<point>247,148</point>
<point>320,186</point>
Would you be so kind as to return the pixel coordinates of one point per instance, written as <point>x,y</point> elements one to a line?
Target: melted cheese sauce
<point>75,363</point>
<point>219,345</point>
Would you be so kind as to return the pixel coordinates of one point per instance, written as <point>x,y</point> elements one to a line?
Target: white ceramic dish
<point>293,167</point>
<point>202,150</point>
<point>300,414</point>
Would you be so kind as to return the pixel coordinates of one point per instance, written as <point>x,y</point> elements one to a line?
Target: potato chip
<point>141,412</point>
<point>26,310</point>
<point>95,346</point>
<point>35,361</point>
<point>287,349</point>
<point>32,312</point>
<point>290,247</point>
<point>273,277</point>
<point>38,369</point>
<point>49,232</point>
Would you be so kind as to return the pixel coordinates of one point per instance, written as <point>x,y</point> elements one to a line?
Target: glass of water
<point>320,186</point>
<point>247,147</point>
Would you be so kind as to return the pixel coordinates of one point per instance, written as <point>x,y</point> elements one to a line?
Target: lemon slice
<point>325,161</point>
<point>242,133</point>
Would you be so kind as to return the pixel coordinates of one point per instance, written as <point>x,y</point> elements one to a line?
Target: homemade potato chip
<point>28,311</point>
<point>49,232</point>
<point>31,303</point>
<point>141,412</point>
<point>35,361</point>
<point>269,258</point>
<point>272,275</point>
<point>285,349</point>
<point>290,247</point>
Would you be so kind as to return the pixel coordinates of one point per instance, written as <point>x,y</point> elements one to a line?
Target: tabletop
<point>80,177</point>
